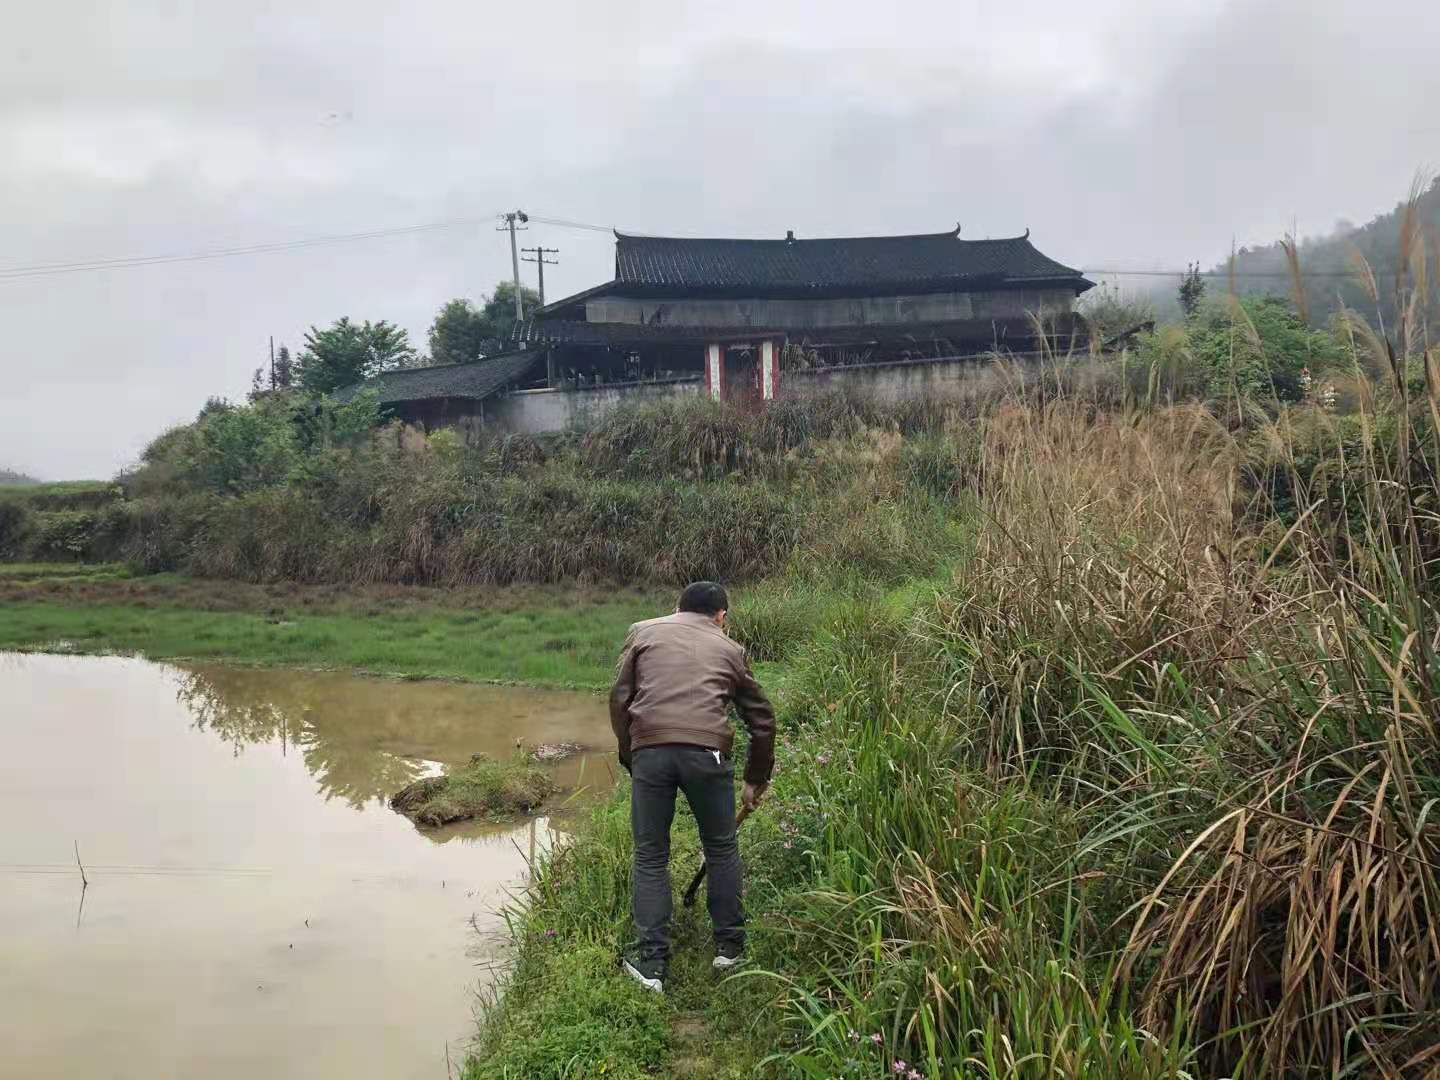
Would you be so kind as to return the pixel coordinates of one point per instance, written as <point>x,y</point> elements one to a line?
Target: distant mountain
<point>1327,264</point>
<point>10,476</point>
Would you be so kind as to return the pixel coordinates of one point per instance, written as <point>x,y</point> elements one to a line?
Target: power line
<point>564,224</point>
<point>46,269</point>
<point>16,273</point>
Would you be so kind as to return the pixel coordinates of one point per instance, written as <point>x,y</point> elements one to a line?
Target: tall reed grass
<point>1151,785</point>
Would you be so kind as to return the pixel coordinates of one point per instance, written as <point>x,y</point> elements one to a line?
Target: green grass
<point>556,646</point>
<point>589,1020</point>
<point>568,1013</point>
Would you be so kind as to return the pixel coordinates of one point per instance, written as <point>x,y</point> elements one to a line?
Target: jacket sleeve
<point>621,694</point>
<point>759,719</point>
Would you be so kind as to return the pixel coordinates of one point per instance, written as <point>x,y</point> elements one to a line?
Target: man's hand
<point>751,795</point>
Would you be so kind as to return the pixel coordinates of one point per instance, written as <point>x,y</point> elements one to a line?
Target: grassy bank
<point>557,637</point>
<point>659,495</point>
<point>1142,787</point>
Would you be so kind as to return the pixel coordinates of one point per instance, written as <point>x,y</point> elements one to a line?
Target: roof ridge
<point>955,232</point>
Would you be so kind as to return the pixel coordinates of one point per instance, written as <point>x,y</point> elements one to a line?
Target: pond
<point>253,908</point>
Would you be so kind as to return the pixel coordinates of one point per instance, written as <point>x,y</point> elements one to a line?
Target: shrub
<point>88,535</point>
<point>15,525</point>
<point>1257,348</point>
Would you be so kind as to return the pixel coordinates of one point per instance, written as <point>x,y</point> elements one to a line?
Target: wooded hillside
<point>1329,264</point>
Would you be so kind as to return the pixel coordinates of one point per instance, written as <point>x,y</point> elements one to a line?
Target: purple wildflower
<point>854,1035</point>
<point>877,1039</point>
<point>899,1068</point>
<point>914,1074</point>
<point>551,933</point>
<point>822,759</point>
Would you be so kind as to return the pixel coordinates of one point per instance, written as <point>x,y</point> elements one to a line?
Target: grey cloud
<point>1120,133</point>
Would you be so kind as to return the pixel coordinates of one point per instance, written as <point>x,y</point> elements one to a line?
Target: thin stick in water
<point>84,882</point>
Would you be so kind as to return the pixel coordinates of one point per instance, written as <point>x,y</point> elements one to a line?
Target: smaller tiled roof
<point>477,380</point>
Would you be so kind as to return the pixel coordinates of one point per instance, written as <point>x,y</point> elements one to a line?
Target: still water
<point>253,908</point>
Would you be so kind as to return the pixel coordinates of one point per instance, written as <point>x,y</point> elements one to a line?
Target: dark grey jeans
<point>709,786</point>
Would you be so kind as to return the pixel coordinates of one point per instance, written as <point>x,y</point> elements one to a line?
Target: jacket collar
<point>694,618</point>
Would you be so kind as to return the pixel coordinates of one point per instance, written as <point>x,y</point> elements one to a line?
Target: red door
<point>742,376</point>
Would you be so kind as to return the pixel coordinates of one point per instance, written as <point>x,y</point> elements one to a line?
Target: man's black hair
<point>704,598</point>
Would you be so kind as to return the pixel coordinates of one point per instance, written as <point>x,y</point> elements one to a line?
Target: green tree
<point>284,375</point>
<point>1329,265</point>
<point>348,352</point>
<point>1192,290</point>
<point>275,440</point>
<point>461,333</point>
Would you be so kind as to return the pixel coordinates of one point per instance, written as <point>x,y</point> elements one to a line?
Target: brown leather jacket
<point>675,679</point>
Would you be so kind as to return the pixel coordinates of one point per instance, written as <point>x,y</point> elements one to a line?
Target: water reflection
<point>241,713</point>
<point>363,739</point>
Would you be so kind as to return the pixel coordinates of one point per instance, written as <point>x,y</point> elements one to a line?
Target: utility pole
<point>509,223</point>
<point>541,261</point>
<point>272,361</point>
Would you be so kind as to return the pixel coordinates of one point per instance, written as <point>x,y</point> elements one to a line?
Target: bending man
<point>676,678</point>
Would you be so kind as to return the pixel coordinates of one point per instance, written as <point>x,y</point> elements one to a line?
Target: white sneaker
<point>650,982</point>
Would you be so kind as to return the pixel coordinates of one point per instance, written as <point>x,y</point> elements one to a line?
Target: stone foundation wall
<point>532,412</point>
<point>902,381</point>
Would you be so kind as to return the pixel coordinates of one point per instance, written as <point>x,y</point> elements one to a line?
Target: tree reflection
<point>245,707</point>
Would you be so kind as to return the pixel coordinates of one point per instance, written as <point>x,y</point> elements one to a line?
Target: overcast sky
<point>1119,133</point>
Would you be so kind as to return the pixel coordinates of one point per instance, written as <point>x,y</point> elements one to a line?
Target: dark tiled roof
<point>925,262</point>
<point>480,379</point>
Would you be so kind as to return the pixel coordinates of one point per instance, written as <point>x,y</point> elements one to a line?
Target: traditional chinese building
<point>745,320</point>
<point>729,309</point>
